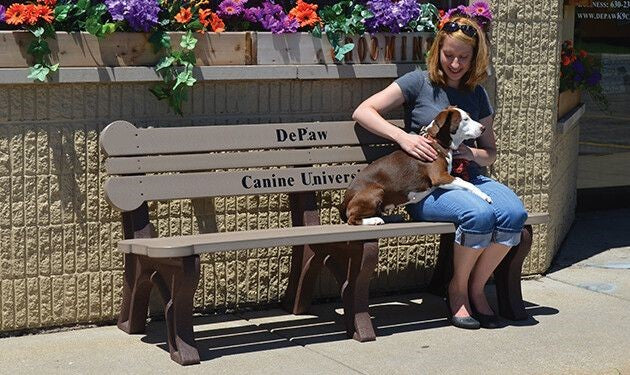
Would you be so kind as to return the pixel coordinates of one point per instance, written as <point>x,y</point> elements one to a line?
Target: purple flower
<point>116,9</point>
<point>391,15</point>
<point>230,8</point>
<point>271,17</point>
<point>2,15</point>
<point>578,66</point>
<point>252,14</point>
<point>594,78</point>
<point>478,11</point>
<point>459,11</point>
<point>140,14</point>
<point>577,78</point>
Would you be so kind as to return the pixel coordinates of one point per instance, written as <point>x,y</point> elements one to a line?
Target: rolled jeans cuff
<point>473,240</point>
<point>506,238</point>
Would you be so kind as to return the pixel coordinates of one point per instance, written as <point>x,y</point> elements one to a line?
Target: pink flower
<point>229,8</point>
<point>480,9</point>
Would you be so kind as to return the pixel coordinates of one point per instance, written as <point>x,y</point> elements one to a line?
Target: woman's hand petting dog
<point>463,152</point>
<point>417,146</point>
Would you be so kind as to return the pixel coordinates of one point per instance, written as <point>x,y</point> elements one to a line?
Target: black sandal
<point>486,321</point>
<point>467,322</point>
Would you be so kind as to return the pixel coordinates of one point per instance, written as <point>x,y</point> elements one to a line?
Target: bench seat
<point>181,246</point>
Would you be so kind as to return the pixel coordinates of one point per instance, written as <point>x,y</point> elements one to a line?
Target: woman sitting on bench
<point>457,64</point>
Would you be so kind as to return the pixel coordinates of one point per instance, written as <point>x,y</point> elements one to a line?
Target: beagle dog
<point>399,179</point>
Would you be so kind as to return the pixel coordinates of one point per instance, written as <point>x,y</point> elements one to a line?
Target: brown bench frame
<point>350,252</point>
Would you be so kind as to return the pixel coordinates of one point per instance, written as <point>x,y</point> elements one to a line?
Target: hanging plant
<point>346,17</point>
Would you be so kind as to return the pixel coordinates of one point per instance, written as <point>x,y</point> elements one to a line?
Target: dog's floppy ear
<point>456,118</point>
<point>438,122</point>
<point>442,117</point>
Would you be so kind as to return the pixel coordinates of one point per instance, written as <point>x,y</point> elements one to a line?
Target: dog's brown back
<point>388,180</point>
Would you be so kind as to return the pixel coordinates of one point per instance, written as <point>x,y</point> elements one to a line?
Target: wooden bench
<point>298,159</point>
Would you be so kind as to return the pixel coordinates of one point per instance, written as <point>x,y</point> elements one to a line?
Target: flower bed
<point>579,72</point>
<point>177,35</point>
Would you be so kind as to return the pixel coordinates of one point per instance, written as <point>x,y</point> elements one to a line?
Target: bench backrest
<point>147,164</point>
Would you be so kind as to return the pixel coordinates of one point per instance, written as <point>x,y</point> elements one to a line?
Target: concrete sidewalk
<point>579,324</point>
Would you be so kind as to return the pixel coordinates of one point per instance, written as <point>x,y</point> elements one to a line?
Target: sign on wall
<point>608,19</point>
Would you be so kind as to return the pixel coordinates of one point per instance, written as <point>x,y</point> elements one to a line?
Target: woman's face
<point>455,59</point>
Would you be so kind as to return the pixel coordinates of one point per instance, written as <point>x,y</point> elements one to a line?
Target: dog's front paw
<point>372,221</point>
<point>483,196</point>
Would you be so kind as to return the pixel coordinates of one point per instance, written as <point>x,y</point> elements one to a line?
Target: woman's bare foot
<point>459,304</point>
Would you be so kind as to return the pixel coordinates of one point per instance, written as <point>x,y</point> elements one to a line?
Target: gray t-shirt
<point>424,100</point>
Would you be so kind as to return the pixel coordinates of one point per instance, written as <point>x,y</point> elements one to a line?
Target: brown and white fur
<point>400,179</point>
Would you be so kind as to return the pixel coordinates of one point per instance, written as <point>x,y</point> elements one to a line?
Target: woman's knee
<point>478,219</point>
<point>512,218</point>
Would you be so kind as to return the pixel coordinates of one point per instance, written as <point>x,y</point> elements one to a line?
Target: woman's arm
<point>486,151</point>
<point>369,115</point>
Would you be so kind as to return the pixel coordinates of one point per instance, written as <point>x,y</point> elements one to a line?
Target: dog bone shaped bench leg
<point>176,279</point>
<point>305,263</point>
<point>508,279</point>
<point>305,267</point>
<point>355,290</point>
<point>136,290</point>
<point>352,264</point>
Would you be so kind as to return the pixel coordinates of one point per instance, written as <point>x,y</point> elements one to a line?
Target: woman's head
<point>459,54</point>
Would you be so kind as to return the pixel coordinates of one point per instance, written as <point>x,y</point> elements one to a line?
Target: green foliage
<point>40,51</point>
<point>84,15</point>
<point>69,16</point>
<point>427,20</point>
<point>175,68</point>
<point>345,17</point>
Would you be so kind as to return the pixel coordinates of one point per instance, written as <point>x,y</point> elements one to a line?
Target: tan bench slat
<point>199,162</point>
<point>537,218</point>
<point>128,192</point>
<point>121,138</point>
<point>210,242</point>
<point>178,246</point>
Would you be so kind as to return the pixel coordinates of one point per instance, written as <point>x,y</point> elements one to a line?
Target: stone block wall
<point>526,54</point>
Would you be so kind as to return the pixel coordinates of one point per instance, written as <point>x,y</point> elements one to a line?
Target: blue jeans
<point>478,222</point>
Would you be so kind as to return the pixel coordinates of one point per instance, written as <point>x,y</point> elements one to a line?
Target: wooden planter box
<point>567,100</point>
<point>81,49</point>
<point>303,48</point>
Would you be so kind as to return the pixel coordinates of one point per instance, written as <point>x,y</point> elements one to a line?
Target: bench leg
<point>177,280</point>
<point>508,279</point>
<point>305,266</point>
<point>356,290</point>
<point>444,267</point>
<point>353,265</point>
<point>136,292</point>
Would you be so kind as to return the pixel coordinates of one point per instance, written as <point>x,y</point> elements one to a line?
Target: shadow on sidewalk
<point>592,233</point>
<point>231,334</point>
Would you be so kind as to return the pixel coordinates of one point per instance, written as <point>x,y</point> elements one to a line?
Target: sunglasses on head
<point>451,27</point>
